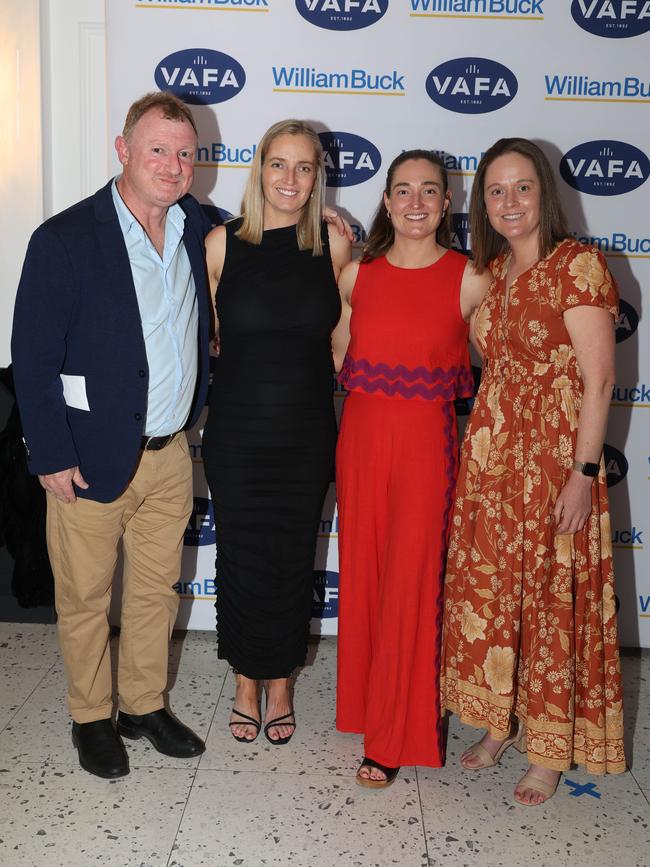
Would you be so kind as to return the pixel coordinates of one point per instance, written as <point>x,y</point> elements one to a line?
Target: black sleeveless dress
<point>268,446</point>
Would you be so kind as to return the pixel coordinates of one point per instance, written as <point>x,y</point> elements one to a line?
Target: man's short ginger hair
<point>170,106</point>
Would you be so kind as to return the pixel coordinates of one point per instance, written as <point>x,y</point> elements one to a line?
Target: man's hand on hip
<point>60,484</point>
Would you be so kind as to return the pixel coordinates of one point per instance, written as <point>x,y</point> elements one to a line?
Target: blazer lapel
<point>114,253</point>
<point>196,253</point>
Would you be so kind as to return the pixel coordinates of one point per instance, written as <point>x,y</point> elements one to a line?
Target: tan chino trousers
<point>83,539</point>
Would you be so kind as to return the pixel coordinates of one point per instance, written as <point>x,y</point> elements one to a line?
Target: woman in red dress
<point>407,306</point>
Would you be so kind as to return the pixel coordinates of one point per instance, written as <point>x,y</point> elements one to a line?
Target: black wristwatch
<point>586,468</point>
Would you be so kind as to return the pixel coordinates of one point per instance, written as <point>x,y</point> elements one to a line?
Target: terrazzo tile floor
<point>255,805</point>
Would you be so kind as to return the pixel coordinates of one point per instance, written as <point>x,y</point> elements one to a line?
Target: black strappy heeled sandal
<point>248,721</point>
<point>279,721</point>
<point>390,773</point>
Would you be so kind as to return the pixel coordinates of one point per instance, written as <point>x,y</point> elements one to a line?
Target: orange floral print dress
<point>530,617</point>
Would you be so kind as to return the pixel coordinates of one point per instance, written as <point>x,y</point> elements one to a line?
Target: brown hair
<point>486,241</point>
<point>308,228</point>
<point>382,235</point>
<point>171,107</point>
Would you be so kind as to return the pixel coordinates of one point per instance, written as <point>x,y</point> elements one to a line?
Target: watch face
<point>590,469</point>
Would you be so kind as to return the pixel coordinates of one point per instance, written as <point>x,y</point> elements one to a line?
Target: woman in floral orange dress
<point>530,648</point>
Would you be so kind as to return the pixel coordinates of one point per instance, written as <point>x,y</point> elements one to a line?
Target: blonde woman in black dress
<point>268,446</point>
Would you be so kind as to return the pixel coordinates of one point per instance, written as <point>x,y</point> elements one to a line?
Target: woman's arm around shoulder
<point>340,249</point>
<point>341,334</point>
<point>592,334</point>
<point>215,254</point>
<point>473,288</point>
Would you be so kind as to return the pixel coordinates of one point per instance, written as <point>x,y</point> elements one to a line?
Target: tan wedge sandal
<point>518,741</point>
<point>542,787</point>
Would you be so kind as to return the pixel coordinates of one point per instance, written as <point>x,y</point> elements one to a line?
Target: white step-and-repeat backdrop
<point>376,77</point>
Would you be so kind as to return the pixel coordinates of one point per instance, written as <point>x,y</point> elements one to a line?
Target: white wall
<point>75,161</point>
<point>20,148</point>
<point>53,141</point>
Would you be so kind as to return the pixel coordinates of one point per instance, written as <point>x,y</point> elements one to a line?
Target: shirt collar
<point>175,214</point>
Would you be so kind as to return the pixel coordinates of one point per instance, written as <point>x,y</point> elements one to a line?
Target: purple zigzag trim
<point>439,383</point>
<point>451,470</point>
<point>424,374</point>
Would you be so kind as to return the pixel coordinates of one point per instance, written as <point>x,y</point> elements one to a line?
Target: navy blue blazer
<point>77,313</point>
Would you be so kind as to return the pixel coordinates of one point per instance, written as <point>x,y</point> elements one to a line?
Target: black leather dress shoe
<point>101,751</point>
<point>168,735</point>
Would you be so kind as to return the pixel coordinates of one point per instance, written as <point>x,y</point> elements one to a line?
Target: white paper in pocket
<point>74,391</point>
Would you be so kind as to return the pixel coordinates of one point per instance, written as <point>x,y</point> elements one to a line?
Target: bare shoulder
<point>474,272</point>
<point>215,250</point>
<point>348,278</point>
<point>473,287</point>
<point>216,238</point>
<point>475,279</point>
<point>340,247</point>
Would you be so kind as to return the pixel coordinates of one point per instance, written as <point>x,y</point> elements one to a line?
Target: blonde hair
<point>308,228</point>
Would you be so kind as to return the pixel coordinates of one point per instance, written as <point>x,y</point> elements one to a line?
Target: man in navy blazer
<point>110,354</point>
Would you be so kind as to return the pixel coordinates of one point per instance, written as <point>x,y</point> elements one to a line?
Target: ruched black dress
<point>268,446</point>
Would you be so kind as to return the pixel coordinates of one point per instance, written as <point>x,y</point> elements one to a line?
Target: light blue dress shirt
<point>168,309</point>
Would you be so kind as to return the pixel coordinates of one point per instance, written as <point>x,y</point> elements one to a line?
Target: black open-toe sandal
<point>279,721</point>
<point>247,721</point>
<point>390,773</point>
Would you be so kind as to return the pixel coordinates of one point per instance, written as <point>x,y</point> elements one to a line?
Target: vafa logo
<point>471,85</point>
<point>342,14</point>
<point>325,601</point>
<point>461,233</point>
<point>200,527</point>
<point>627,321</point>
<point>200,76</point>
<point>349,159</point>
<point>615,19</point>
<point>604,167</point>
<point>616,465</point>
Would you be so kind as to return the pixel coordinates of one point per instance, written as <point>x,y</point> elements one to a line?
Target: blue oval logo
<point>627,322</point>
<point>616,465</point>
<point>200,527</point>
<point>217,216</point>
<point>200,76</point>
<point>464,405</point>
<point>471,85</point>
<point>460,234</point>
<point>349,159</point>
<point>342,14</point>
<point>326,595</point>
<point>614,19</point>
<point>605,168</point>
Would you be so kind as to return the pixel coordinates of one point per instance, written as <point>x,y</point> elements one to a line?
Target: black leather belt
<point>154,444</point>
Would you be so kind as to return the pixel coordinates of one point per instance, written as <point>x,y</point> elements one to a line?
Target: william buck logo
<point>349,159</point>
<point>200,76</point>
<point>605,168</point>
<point>615,19</point>
<point>342,14</point>
<point>471,85</point>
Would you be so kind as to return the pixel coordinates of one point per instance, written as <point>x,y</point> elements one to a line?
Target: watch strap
<point>586,468</point>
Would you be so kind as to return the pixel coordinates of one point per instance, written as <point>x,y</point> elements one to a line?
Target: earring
<point>388,213</point>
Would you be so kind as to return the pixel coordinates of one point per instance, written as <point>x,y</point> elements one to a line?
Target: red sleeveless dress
<point>407,362</point>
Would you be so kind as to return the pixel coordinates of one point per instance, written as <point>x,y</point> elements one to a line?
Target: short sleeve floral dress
<point>530,617</point>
